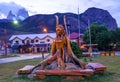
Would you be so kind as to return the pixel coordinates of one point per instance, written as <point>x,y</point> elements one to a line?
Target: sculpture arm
<point>53,48</point>
<point>68,46</point>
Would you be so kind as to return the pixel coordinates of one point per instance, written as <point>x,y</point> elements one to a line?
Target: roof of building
<point>32,36</point>
<point>75,35</point>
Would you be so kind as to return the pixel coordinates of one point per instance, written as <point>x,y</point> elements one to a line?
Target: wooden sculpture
<point>62,60</point>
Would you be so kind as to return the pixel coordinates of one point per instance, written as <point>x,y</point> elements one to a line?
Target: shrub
<point>76,49</point>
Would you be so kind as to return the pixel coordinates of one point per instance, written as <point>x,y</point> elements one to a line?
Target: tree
<point>76,49</point>
<point>97,35</point>
<point>116,36</point>
<point>95,29</point>
<point>103,39</point>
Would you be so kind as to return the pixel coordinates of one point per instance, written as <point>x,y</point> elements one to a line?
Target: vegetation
<point>8,71</point>
<point>76,49</point>
<point>94,29</point>
<point>102,36</point>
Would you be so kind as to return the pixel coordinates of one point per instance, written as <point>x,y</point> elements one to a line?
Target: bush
<point>76,49</point>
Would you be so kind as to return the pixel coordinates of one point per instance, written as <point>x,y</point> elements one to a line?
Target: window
<point>36,40</point>
<point>42,42</point>
<point>23,41</point>
<point>32,41</point>
<point>28,42</point>
<point>17,42</point>
<point>48,40</point>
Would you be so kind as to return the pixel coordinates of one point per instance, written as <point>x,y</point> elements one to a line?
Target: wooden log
<point>25,70</point>
<point>82,72</point>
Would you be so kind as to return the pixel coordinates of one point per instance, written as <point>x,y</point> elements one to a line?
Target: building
<point>38,42</point>
<point>31,42</point>
<point>75,37</point>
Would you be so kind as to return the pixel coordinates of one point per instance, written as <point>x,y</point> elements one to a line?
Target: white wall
<point>39,40</point>
<point>17,39</point>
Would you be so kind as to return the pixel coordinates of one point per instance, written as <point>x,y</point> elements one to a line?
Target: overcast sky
<point>53,6</point>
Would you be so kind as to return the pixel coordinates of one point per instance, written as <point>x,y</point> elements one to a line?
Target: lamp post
<point>45,30</point>
<point>79,28</point>
<point>90,48</point>
<point>5,41</point>
<point>15,22</point>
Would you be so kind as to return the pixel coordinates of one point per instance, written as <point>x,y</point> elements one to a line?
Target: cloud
<point>2,16</point>
<point>53,6</point>
<point>6,7</point>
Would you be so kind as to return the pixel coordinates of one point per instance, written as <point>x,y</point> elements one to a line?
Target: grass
<point>8,71</point>
<point>10,55</point>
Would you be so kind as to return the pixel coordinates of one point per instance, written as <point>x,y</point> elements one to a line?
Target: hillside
<point>35,23</point>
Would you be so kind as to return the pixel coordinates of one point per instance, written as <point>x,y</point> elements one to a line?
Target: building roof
<point>75,35</point>
<point>32,36</point>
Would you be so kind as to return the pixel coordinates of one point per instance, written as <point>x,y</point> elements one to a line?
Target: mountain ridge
<point>35,23</point>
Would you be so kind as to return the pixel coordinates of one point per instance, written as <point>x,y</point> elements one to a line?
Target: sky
<point>62,6</point>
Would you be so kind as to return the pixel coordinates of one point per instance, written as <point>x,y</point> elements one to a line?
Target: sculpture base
<point>90,69</point>
<point>69,74</point>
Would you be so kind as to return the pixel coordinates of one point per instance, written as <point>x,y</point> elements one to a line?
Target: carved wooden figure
<point>62,60</point>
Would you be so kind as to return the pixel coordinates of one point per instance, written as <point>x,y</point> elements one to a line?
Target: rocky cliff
<point>37,22</point>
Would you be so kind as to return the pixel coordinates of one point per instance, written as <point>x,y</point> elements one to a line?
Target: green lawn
<point>8,71</point>
<point>10,55</point>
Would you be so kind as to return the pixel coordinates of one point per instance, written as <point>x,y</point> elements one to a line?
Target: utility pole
<point>90,48</point>
<point>5,41</point>
<point>79,28</point>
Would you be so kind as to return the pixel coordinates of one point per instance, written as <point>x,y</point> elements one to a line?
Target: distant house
<point>37,42</point>
<point>31,42</point>
<point>75,37</point>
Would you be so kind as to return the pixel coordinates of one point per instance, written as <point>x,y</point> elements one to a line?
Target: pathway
<point>21,57</point>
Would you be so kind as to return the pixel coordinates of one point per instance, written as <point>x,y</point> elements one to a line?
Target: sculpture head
<point>59,30</point>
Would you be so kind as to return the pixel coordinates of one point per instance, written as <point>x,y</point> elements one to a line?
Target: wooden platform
<point>25,70</point>
<point>90,69</point>
<point>96,66</point>
<point>69,74</point>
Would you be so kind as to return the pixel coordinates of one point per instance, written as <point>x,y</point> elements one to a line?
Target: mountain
<point>11,16</point>
<point>100,16</point>
<point>35,23</point>
<point>21,15</point>
<point>6,7</point>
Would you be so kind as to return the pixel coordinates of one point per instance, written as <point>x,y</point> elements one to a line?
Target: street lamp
<point>5,41</point>
<point>15,22</point>
<point>45,30</point>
